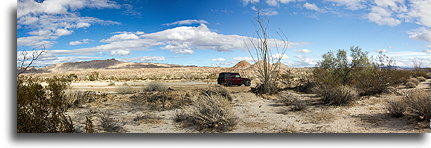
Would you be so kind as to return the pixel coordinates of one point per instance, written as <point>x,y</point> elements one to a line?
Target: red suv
<point>229,79</point>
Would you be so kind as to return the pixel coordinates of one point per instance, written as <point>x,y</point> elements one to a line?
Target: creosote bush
<point>218,90</point>
<point>295,102</point>
<point>89,127</point>
<point>396,108</point>
<point>410,84</point>
<point>421,79</point>
<point>155,86</point>
<point>419,103</point>
<point>209,114</point>
<point>341,95</point>
<point>42,109</point>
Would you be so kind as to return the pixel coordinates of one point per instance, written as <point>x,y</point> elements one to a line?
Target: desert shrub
<point>341,95</point>
<point>109,124</point>
<point>74,98</point>
<point>209,114</point>
<point>125,90</point>
<point>155,86</point>
<point>218,90</point>
<point>295,102</point>
<point>414,80</point>
<point>93,76</point>
<point>419,103</point>
<point>421,78</point>
<point>89,127</point>
<point>111,84</point>
<point>42,109</point>
<point>410,84</point>
<point>161,98</point>
<point>396,108</point>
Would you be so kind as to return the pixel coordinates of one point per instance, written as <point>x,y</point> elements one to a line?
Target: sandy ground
<point>255,114</point>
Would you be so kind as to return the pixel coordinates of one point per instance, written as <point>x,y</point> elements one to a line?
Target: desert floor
<point>256,114</point>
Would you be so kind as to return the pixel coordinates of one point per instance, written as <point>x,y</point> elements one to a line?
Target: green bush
<point>93,76</point>
<point>295,102</point>
<point>42,109</point>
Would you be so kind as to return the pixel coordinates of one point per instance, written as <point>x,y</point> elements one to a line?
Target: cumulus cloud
<point>218,60</point>
<point>242,58</point>
<point>311,6</point>
<point>50,19</point>
<point>381,51</point>
<point>350,4</point>
<point>428,51</point>
<point>278,2</point>
<point>120,37</point>
<point>187,22</point>
<point>302,61</point>
<point>83,41</point>
<point>245,2</point>
<point>304,51</point>
<point>120,52</point>
<point>266,12</point>
<point>280,56</point>
<point>146,59</point>
<point>382,16</point>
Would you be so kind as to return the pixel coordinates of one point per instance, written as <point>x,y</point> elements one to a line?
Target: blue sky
<point>215,33</point>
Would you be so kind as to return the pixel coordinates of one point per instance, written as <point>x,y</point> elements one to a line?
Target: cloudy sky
<point>217,33</point>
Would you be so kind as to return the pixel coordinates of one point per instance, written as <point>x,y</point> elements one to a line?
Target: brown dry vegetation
<point>185,100</point>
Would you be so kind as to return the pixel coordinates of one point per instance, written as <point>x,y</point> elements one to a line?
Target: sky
<point>219,33</point>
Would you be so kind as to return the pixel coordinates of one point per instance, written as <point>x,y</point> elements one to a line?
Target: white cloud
<point>218,60</point>
<point>382,16</point>
<point>304,51</point>
<point>405,58</point>
<point>381,51</point>
<point>265,12</point>
<point>350,4</point>
<point>311,6</point>
<point>242,58</point>
<point>62,32</point>
<point>280,56</point>
<point>187,22</point>
<point>180,40</point>
<point>120,37</point>
<point>277,2</point>
<point>146,59</point>
<point>302,61</point>
<point>83,41</point>
<point>245,2</point>
<point>51,19</point>
<point>120,52</point>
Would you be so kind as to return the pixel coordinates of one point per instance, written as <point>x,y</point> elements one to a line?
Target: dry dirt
<point>255,114</point>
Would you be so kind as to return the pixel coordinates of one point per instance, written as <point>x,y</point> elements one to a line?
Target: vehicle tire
<point>247,83</point>
<point>228,83</point>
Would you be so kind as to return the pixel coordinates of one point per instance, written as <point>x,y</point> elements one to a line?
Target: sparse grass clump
<point>155,86</point>
<point>295,102</point>
<point>111,84</point>
<point>218,90</point>
<point>410,85</point>
<point>93,76</point>
<point>421,79</point>
<point>414,80</point>
<point>209,114</point>
<point>89,127</point>
<point>396,108</point>
<point>109,124</point>
<point>125,90</point>
<point>419,103</point>
<point>341,95</point>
